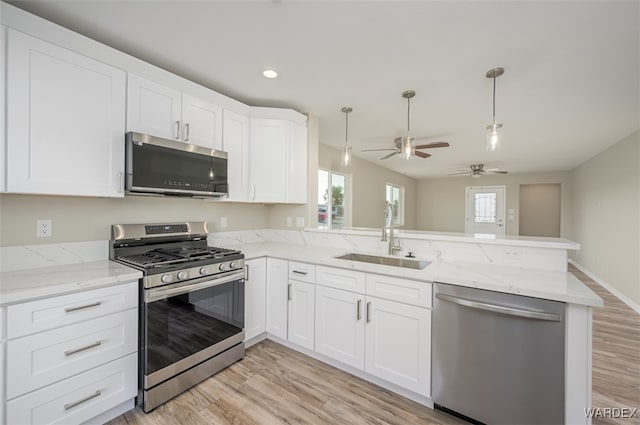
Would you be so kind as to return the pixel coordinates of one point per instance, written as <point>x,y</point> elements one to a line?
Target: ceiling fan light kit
<point>493,137</point>
<point>346,151</point>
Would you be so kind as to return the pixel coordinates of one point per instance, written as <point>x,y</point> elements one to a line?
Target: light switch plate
<point>223,222</point>
<point>300,221</point>
<point>289,221</point>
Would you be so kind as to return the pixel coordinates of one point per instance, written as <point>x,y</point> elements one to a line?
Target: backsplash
<point>43,255</point>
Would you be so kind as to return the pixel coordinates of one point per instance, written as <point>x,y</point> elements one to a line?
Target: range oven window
<point>182,325</point>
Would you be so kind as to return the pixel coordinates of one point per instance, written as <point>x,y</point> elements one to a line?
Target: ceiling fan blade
<point>376,150</point>
<point>459,174</point>
<point>433,145</point>
<point>496,171</point>
<point>422,154</point>
<point>390,155</point>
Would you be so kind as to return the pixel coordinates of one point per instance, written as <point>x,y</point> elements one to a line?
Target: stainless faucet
<point>388,218</point>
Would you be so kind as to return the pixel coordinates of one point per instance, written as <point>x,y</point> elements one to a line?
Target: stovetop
<point>160,257</point>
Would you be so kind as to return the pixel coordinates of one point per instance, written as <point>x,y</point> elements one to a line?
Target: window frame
<point>400,221</point>
<point>328,225</point>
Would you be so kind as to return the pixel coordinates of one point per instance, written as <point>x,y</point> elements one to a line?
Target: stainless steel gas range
<point>191,305</point>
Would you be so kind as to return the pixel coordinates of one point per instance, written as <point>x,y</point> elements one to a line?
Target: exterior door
<point>485,210</point>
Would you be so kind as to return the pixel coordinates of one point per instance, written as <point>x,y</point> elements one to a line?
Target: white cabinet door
<point>268,160</point>
<point>340,325</point>
<point>65,121</point>
<point>3,91</point>
<point>277,297</point>
<point>301,313</point>
<point>297,173</point>
<point>235,141</point>
<point>255,287</point>
<point>398,344</point>
<point>153,108</point>
<point>202,122</point>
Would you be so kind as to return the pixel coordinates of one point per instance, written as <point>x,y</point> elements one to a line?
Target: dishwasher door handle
<point>510,311</point>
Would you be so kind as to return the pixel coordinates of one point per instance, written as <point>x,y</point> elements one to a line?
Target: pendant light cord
<point>346,128</point>
<point>494,97</point>
<point>408,114</point>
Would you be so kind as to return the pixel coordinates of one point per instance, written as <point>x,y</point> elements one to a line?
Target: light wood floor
<point>276,385</point>
<point>616,354</point>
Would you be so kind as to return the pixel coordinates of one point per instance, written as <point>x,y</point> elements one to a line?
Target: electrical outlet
<point>223,222</point>
<point>289,221</point>
<point>44,228</point>
<point>300,221</point>
<point>513,253</point>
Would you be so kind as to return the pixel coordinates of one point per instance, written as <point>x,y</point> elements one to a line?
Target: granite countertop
<point>551,285</point>
<point>30,284</point>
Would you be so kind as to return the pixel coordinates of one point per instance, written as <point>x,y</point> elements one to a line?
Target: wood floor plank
<point>275,385</point>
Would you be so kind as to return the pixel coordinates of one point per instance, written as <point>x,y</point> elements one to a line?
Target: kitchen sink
<point>386,261</point>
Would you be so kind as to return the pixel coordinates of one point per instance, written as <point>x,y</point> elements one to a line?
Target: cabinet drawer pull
<point>359,310</point>
<point>82,307</point>
<point>299,272</point>
<point>177,130</point>
<point>289,292</point>
<point>84,400</point>
<point>369,312</point>
<point>186,132</point>
<point>77,350</point>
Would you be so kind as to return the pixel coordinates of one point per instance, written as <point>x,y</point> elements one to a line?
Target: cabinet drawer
<point>302,271</point>
<point>38,360</point>
<point>347,280</point>
<point>77,399</point>
<point>41,315</point>
<point>403,290</point>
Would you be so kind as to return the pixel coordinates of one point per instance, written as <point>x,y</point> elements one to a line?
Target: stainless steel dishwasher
<point>498,358</point>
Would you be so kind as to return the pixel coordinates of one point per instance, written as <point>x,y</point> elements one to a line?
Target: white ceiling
<point>571,86</point>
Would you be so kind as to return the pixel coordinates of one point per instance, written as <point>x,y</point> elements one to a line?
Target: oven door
<point>188,323</point>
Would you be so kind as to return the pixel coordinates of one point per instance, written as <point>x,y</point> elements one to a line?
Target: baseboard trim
<point>622,297</point>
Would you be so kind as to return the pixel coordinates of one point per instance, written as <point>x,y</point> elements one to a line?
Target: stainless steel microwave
<point>166,167</point>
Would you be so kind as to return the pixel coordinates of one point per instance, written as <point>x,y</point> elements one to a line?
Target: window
<point>485,208</point>
<point>395,196</point>
<point>332,195</point>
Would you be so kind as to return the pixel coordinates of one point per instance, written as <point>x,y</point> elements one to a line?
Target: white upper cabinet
<point>162,111</point>
<point>153,108</point>
<point>65,121</point>
<point>235,141</point>
<point>268,160</point>
<point>278,156</point>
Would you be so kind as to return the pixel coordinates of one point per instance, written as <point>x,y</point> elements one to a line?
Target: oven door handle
<point>162,293</point>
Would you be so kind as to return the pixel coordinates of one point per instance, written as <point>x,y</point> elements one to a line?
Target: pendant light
<point>408,143</point>
<point>346,152</point>
<point>493,136</point>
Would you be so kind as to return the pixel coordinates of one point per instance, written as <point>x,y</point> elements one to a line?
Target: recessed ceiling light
<point>270,73</point>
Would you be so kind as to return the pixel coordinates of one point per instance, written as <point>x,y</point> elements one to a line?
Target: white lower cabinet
<point>73,357</point>
<point>340,325</point>
<point>398,344</point>
<point>255,298</point>
<point>301,313</point>
<point>277,297</point>
<point>387,339</point>
<point>80,398</point>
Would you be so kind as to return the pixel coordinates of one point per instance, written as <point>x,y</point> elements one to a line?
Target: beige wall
<point>540,210</point>
<point>606,201</point>
<point>87,219</point>
<point>441,203</point>
<point>368,182</point>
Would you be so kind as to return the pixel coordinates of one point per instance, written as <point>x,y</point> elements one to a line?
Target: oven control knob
<point>166,278</point>
<point>182,275</point>
<point>203,270</point>
<point>233,265</point>
<point>223,267</point>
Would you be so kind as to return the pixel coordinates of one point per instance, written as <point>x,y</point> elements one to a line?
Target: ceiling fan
<point>477,170</point>
<point>405,146</point>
